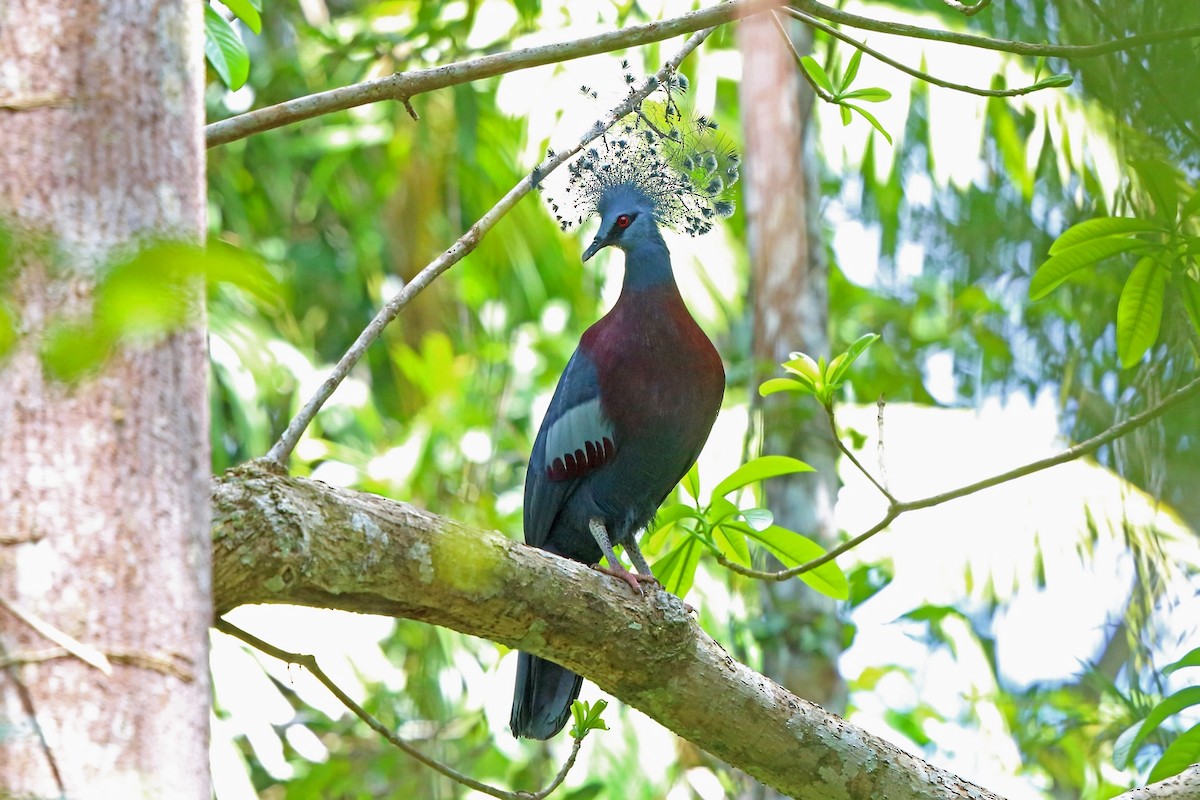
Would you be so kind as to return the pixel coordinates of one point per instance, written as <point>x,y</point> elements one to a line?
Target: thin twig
<point>791,46</point>
<point>916,73</point>
<point>404,86</point>
<point>84,652</point>
<point>896,508</point>
<point>968,10</point>
<point>26,699</point>
<point>172,664</point>
<point>1068,51</point>
<point>848,453</point>
<point>309,662</point>
<point>282,449</point>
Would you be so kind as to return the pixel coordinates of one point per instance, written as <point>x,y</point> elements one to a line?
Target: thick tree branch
<point>403,86</point>
<point>1184,786</point>
<point>289,540</point>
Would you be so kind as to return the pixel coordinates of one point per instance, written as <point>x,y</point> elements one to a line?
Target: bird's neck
<point>647,266</point>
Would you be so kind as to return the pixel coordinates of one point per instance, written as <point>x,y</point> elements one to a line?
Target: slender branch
<point>309,662</point>
<point>1160,95</point>
<point>1067,51</point>
<point>403,86</point>
<point>791,46</point>
<point>896,508</point>
<point>282,449</point>
<point>849,454</point>
<point>916,73</point>
<point>175,664</point>
<point>968,10</point>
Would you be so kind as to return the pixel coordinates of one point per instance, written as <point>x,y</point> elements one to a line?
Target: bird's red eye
<point>624,220</point>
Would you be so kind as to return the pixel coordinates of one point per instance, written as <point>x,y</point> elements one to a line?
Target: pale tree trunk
<point>789,295</point>
<point>104,484</point>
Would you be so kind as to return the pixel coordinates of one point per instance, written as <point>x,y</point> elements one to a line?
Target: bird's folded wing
<point>575,438</point>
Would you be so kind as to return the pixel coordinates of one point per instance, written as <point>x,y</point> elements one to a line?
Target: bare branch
<point>791,46</point>
<point>278,539</point>
<point>968,10</point>
<point>309,662</point>
<point>1067,51</point>
<point>403,86</point>
<point>282,449</point>
<point>896,508</point>
<point>916,73</point>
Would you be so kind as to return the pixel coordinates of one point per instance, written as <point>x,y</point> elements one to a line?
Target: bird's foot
<point>634,579</point>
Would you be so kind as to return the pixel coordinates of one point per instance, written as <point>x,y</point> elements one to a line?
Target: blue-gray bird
<point>633,407</point>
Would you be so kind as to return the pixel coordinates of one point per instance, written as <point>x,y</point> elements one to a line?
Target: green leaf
<point>8,330</point>
<point>691,481</point>
<point>1139,311</point>
<point>1102,227</point>
<point>677,569</point>
<point>1192,207</point>
<point>1053,82</point>
<point>759,469</point>
<point>1161,181</point>
<point>1190,295</point>
<point>1122,752</point>
<point>587,718</point>
<point>1192,659</point>
<point>1055,270</point>
<point>732,544</point>
<point>720,510</point>
<point>838,368</point>
<point>224,264</point>
<point>846,118</point>
<point>851,70</point>
<point>72,350</point>
<point>247,13</point>
<point>793,549</point>
<point>1184,698</point>
<point>775,385</point>
<point>802,366</point>
<point>1179,755</point>
<point>664,522</point>
<point>152,293</point>
<point>225,50</point>
<point>817,73</point>
<point>869,117</point>
<point>758,518</point>
<point>870,95</point>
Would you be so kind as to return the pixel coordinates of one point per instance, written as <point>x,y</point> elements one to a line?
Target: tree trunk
<point>104,484</point>
<point>801,631</point>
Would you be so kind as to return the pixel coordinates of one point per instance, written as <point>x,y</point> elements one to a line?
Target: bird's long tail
<point>542,698</point>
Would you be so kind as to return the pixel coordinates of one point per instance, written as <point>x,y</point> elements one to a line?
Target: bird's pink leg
<point>616,569</point>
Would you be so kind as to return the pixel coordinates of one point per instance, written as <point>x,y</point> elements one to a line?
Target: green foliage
<point>817,378</point>
<point>587,718</point>
<point>843,93</point>
<point>1183,749</point>
<point>224,49</point>
<point>725,529</point>
<point>1166,242</point>
<point>140,299</point>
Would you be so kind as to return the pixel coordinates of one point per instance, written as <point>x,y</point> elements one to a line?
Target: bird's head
<point>626,220</point>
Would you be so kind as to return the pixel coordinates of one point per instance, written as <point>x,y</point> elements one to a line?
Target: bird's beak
<point>595,247</point>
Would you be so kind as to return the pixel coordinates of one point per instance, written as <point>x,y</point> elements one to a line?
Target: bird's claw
<point>634,579</point>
